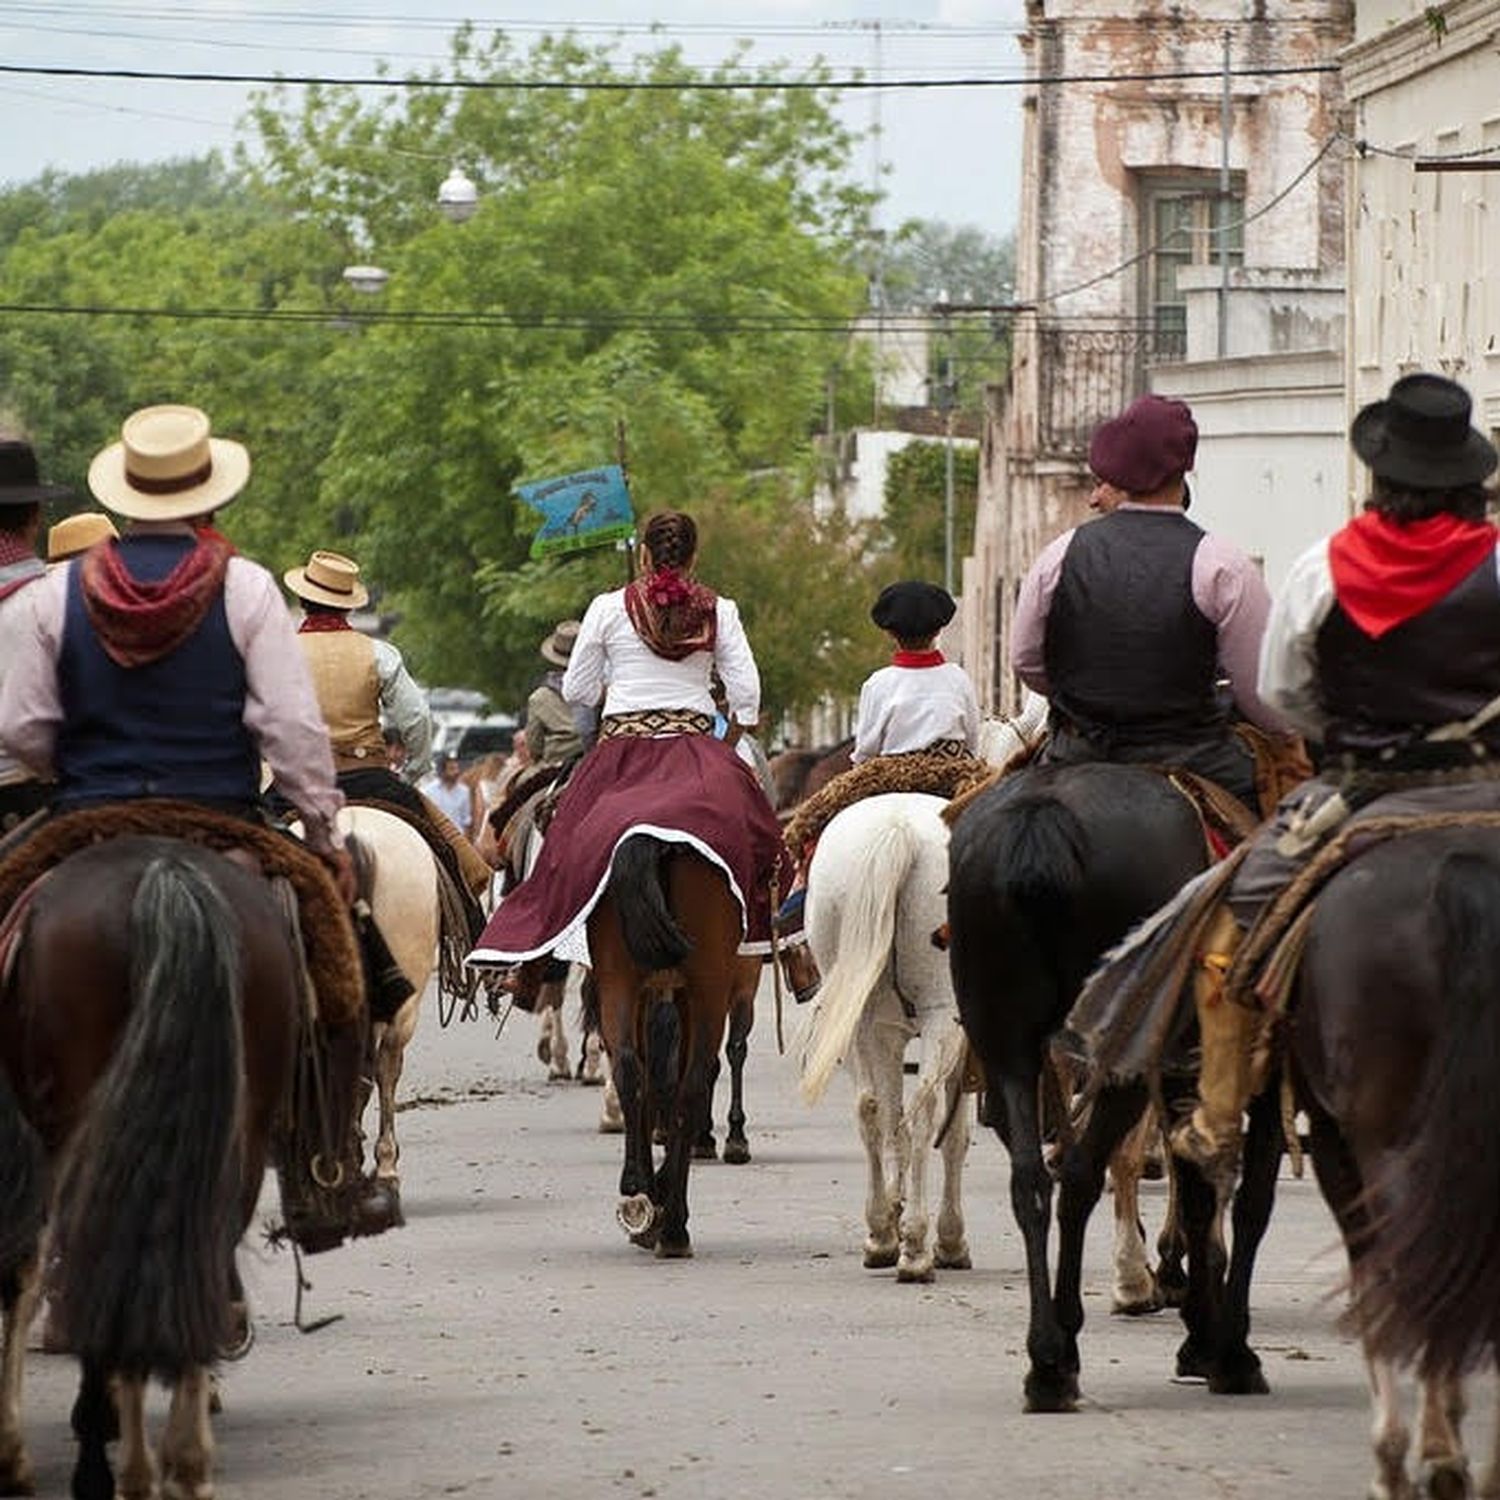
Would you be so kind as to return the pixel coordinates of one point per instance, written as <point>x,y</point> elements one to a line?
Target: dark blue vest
<point>172,728</point>
<point>1130,657</point>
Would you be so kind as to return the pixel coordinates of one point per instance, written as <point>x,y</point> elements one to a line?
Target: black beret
<point>913,610</point>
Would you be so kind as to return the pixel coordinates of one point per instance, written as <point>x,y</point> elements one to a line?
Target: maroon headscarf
<point>675,616</point>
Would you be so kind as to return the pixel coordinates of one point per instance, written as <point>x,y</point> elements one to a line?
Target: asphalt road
<point>509,1342</point>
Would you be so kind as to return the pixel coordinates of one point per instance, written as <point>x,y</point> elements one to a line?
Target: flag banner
<point>589,509</point>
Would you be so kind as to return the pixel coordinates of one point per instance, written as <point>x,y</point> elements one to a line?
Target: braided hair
<point>671,540</point>
<point>675,615</point>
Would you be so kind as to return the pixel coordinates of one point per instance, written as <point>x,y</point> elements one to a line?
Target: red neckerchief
<point>322,624</point>
<point>137,622</point>
<point>916,658</point>
<point>1386,572</point>
<point>19,564</point>
<point>673,615</point>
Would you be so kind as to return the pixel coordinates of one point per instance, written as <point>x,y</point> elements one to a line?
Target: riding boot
<point>1231,1065</point>
<point>798,967</point>
<point>523,983</point>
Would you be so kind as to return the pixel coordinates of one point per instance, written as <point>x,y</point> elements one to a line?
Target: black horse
<point>1048,870</point>
<point>1395,1051</point>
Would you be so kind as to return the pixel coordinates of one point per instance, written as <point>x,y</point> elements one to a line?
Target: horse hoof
<point>736,1152</point>
<point>1051,1393</point>
<point>377,1208</point>
<point>953,1260</point>
<point>705,1150</point>
<point>1137,1307</point>
<point>914,1273</point>
<point>879,1258</point>
<point>673,1251</point>
<point>544,1051</point>
<point>607,1126</point>
<point>16,1474</point>
<point>1446,1479</point>
<point>640,1218</point>
<point>1238,1376</point>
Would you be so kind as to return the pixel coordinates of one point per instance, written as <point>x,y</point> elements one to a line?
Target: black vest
<point>1130,658</point>
<point>1440,665</point>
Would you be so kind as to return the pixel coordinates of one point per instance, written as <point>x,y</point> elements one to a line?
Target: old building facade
<point>1151,177</point>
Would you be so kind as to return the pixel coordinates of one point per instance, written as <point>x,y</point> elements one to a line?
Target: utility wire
<point>656,85</point>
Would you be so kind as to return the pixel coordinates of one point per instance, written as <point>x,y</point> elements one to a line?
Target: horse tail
<point>867,927</point>
<point>1037,854</point>
<point>23,1193</point>
<point>148,1205</point>
<point>1426,1288</point>
<point>652,935</point>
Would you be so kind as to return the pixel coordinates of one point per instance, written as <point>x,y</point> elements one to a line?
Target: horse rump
<point>653,937</point>
<point>1430,1259</point>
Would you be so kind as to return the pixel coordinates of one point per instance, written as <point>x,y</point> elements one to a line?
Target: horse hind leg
<point>1389,1435</point>
<point>705,1148</point>
<point>95,1424</point>
<point>187,1450</point>
<point>137,1476</point>
<point>878,1082</point>
<point>737,1050</point>
<point>952,1253</point>
<point>1135,1291</point>
<point>1445,1469</point>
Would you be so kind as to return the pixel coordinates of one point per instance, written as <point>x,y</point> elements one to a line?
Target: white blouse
<point>611,661</point>
<point>909,708</point>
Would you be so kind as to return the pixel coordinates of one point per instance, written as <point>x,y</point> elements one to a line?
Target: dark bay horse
<point>147,1038</point>
<point>664,940</point>
<point>797,774</point>
<point>1395,1052</point>
<point>1048,870</point>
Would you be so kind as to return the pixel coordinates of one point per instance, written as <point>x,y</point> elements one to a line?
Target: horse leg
<point>187,1446</point>
<point>95,1424</point>
<point>1114,1114</point>
<point>705,1148</point>
<point>941,1040</point>
<point>1389,1434</point>
<point>1135,1291</point>
<point>637,1211</point>
<point>1050,1385</point>
<point>552,1048</point>
<point>737,1050</point>
<point>611,1116</point>
<point>700,1033</point>
<point>1171,1243</point>
<point>1445,1470</point>
<point>1236,1368</point>
<point>952,1252</point>
<point>137,1467</point>
<point>23,1287</point>
<point>876,1057</point>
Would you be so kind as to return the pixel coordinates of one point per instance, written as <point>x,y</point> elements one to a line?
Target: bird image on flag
<point>588,509</point>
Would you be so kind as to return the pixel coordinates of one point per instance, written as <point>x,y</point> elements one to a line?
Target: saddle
<point>327,932</point>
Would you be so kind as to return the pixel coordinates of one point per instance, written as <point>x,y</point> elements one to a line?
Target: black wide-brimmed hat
<point>1420,436</point>
<point>913,610</point>
<point>20,480</point>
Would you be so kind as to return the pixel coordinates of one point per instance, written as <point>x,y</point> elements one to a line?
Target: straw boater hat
<point>166,467</point>
<point>558,646</point>
<point>329,578</point>
<point>75,534</point>
<point>20,483</point>
<point>1420,436</point>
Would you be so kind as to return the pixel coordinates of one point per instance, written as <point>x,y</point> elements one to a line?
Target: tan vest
<point>342,663</point>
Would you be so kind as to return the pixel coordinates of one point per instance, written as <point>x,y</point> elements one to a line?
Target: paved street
<point>510,1342</point>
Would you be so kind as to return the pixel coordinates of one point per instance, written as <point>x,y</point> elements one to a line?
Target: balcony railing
<point>1087,374</point>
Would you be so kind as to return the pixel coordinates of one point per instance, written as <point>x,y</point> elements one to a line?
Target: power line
<point>656,85</point>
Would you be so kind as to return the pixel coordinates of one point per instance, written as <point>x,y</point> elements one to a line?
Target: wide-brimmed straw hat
<point>75,534</point>
<point>20,480</point>
<point>329,578</point>
<point>166,467</point>
<point>1420,436</point>
<point>558,646</point>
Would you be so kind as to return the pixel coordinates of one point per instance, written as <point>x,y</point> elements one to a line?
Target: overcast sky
<point>952,154</point>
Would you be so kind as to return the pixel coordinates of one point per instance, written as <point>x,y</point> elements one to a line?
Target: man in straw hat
<point>1126,623</point>
<point>22,495</point>
<point>358,681</point>
<point>162,664</point>
<point>1382,648</point>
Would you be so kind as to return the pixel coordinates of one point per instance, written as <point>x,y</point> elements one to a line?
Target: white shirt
<point>611,660</point>
<point>403,705</point>
<point>15,628</point>
<point>455,800</point>
<point>909,708</point>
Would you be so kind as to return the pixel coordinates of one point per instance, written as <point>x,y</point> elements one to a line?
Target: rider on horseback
<point>22,495</point>
<point>1382,647</point>
<point>358,680</point>
<point>1126,623</point>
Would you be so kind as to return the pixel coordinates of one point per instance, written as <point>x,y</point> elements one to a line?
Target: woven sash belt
<point>648,723</point>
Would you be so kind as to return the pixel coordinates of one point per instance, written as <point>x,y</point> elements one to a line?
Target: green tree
<point>915,507</point>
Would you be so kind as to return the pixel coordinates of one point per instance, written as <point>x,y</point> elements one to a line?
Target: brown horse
<point>1395,1047</point>
<point>147,1039</point>
<point>797,774</point>
<point>664,940</point>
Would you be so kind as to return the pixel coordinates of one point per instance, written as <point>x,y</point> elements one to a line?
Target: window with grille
<point>1180,219</point>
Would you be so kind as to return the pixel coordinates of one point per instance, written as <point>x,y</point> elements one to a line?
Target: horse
<point>664,941</point>
<point>797,774</point>
<point>148,1038</point>
<point>1394,1042</point>
<point>874,902</point>
<point>1048,870</point>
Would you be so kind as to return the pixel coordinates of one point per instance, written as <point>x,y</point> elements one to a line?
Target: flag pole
<point>622,458</point>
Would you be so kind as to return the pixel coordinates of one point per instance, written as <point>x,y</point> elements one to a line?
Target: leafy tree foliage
<point>915,507</point>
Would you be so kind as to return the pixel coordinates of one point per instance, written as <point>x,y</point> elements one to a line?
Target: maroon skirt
<point>685,788</point>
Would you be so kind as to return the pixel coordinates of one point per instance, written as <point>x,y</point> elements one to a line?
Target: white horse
<point>875,899</point>
<point>405,904</point>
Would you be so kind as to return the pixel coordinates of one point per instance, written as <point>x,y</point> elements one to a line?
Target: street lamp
<point>458,197</point>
